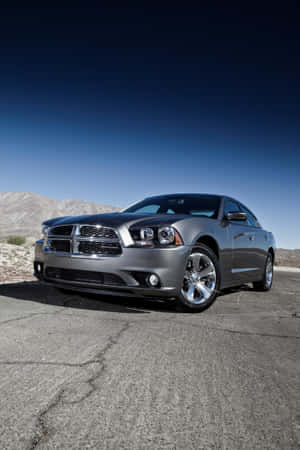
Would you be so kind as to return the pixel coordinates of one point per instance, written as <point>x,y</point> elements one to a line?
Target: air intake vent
<point>99,248</point>
<point>84,276</point>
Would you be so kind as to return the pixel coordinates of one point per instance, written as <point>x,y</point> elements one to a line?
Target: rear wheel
<point>266,283</point>
<point>201,280</point>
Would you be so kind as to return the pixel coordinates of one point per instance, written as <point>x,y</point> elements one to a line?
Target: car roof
<point>187,194</point>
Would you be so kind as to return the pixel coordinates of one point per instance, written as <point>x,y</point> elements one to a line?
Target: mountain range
<point>21,213</point>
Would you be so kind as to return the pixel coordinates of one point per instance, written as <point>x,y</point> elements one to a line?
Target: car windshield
<point>195,205</point>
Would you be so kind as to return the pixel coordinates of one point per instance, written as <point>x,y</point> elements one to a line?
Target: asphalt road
<point>80,372</point>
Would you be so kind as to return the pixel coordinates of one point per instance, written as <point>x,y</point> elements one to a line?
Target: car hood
<point>115,220</point>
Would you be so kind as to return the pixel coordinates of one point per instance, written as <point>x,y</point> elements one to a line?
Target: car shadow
<point>41,293</point>
<point>234,289</point>
<point>37,292</point>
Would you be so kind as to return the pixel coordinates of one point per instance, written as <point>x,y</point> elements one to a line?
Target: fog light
<point>38,268</point>
<point>153,280</point>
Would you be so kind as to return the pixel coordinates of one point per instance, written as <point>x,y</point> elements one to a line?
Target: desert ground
<point>289,258</point>
<point>16,262</point>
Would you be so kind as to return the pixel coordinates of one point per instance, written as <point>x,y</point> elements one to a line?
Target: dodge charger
<point>186,247</point>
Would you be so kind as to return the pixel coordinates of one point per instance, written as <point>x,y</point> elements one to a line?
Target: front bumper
<point>167,263</point>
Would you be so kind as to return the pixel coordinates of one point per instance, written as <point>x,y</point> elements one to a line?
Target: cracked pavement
<point>111,373</point>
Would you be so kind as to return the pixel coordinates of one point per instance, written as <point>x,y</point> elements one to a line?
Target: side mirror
<point>237,216</point>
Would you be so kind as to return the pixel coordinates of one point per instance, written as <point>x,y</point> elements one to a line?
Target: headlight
<point>44,231</point>
<point>168,235</point>
<point>155,237</point>
<point>147,234</point>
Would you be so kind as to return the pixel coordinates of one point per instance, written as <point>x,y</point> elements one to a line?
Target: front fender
<point>193,228</point>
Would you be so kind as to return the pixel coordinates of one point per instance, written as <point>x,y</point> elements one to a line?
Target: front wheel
<point>201,280</point>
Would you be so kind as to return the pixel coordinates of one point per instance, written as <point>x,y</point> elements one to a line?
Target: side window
<point>251,219</point>
<point>230,206</point>
<point>150,209</point>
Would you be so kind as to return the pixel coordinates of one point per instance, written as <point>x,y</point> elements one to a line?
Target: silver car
<point>183,246</point>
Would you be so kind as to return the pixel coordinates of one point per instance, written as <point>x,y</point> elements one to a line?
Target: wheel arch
<point>271,250</point>
<point>210,242</point>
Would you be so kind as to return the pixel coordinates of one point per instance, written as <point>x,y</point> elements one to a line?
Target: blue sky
<point>115,123</point>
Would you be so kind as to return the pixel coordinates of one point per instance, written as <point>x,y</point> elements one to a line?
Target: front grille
<point>63,230</point>
<point>59,245</point>
<point>98,231</point>
<point>85,240</point>
<point>99,248</point>
<point>85,276</point>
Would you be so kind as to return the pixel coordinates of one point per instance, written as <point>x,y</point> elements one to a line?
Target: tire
<point>201,280</point>
<point>266,283</point>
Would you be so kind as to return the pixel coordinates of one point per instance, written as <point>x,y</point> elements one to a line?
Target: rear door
<point>242,239</point>
<point>258,255</point>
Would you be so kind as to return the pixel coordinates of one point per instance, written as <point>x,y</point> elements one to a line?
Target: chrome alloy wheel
<point>269,272</point>
<point>199,279</point>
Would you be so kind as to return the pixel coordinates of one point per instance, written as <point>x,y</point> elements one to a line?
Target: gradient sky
<point>114,104</point>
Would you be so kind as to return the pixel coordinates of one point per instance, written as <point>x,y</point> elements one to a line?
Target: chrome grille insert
<point>97,231</point>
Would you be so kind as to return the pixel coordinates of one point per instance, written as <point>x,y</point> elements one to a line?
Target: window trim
<point>251,213</point>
